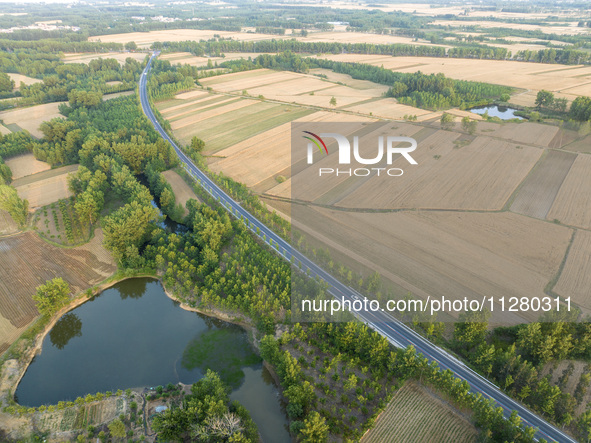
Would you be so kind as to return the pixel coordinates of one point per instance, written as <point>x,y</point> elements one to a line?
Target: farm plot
<point>18,78</point>
<point>26,261</point>
<point>45,187</point>
<point>226,125</point>
<point>145,39</point>
<point>528,133</point>
<point>26,164</point>
<point>450,254</point>
<point>415,414</point>
<point>213,111</point>
<point>59,223</point>
<point>258,160</point>
<point>540,188</point>
<point>31,118</point>
<point>240,81</point>
<point>303,89</point>
<point>490,171</point>
<point>182,191</point>
<point>572,204</point>
<point>186,58</point>
<point>575,279</point>
<point>87,57</point>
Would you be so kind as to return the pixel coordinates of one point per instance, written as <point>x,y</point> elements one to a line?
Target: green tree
<point>333,101</point>
<point>117,429</point>
<point>469,125</point>
<point>6,83</point>
<point>131,46</point>
<point>315,429</point>
<point>197,144</point>
<point>13,204</point>
<point>544,99</point>
<point>51,296</point>
<point>446,120</point>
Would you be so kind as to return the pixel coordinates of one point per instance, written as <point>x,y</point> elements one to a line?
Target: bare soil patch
<point>46,187</point>
<point>26,164</point>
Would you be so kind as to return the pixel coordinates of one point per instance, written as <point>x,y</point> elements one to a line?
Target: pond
<point>133,335</point>
<point>503,112</point>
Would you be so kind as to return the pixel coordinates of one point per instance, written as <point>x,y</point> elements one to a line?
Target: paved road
<point>396,332</point>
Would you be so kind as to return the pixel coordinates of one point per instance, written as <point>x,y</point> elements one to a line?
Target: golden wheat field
<point>538,191</point>
<point>259,160</point>
<point>572,205</point>
<point>416,414</point>
<point>451,254</point>
<point>575,279</point>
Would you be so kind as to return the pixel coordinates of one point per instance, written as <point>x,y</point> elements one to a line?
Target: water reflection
<point>68,327</point>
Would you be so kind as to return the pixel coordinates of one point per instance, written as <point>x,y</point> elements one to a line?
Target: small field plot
<point>18,78</point>
<point>31,118</point>
<point>182,191</point>
<point>59,223</point>
<point>292,87</point>
<point>530,133</point>
<point>540,188</point>
<point>26,261</point>
<point>26,164</point>
<point>490,171</point>
<point>87,57</point>
<point>572,204</point>
<point>575,279</point>
<point>186,58</point>
<point>415,414</point>
<point>45,187</point>
<point>264,160</point>
<point>223,124</point>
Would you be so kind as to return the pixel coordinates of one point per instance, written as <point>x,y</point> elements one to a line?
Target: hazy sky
<point>36,1</point>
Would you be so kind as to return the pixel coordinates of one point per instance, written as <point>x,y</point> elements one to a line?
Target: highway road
<point>396,332</point>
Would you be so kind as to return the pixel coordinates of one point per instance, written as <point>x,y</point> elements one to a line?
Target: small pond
<point>133,335</point>
<point>503,112</point>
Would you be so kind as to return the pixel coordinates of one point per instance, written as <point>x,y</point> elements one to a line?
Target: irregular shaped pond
<point>133,335</point>
<point>503,112</point>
